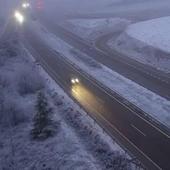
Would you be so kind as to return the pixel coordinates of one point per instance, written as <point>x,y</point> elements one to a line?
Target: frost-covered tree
<point>42,123</point>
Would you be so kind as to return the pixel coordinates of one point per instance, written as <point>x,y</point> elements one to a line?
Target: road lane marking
<point>142,153</point>
<point>95,111</point>
<point>102,87</point>
<point>138,130</point>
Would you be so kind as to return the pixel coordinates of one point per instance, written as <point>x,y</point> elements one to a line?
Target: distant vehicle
<point>19,17</point>
<point>25,5</point>
<point>75,81</point>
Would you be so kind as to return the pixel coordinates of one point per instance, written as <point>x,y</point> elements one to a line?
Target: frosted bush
<point>28,80</point>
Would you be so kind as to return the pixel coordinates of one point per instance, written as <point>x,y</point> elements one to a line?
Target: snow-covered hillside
<point>147,42</point>
<point>91,29</point>
<point>153,32</point>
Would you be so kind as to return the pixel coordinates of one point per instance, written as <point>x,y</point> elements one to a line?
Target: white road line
<point>142,153</point>
<point>102,87</point>
<point>95,111</point>
<point>138,130</point>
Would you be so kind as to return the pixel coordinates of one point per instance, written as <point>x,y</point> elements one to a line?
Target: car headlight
<point>73,81</point>
<point>19,17</point>
<point>77,80</point>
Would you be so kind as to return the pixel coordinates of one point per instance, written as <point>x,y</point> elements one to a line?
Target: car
<point>25,5</point>
<point>75,81</point>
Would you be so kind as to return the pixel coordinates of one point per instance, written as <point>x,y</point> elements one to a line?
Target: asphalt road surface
<point>147,77</point>
<point>140,137</point>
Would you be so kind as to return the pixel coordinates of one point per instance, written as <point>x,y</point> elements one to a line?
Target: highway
<point>139,136</point>
<point>147,77</point>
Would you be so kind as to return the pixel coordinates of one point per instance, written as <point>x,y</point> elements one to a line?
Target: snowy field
<point>147,42</point>
<point>78,143</point>
<point>153,32</point>
<point>154,105</point>
<point>91,29</point>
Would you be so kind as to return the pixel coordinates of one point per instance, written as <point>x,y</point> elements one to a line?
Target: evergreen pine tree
<point>42,118</point>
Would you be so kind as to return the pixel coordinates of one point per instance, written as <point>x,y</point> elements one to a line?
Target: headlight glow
<point>25,5</point>
<point>77,80</point>
<point>73,81</point>
<point>19,17</point>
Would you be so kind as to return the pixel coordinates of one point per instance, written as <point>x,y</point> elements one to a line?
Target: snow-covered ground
<point>79,142</point>
<point>64,151</point>
<point>153,32</point>
<point>147,42</point>
<point>154,105</point>
<point>91,29</point>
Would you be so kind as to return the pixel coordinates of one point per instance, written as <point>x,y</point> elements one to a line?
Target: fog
<point>131,9</point>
